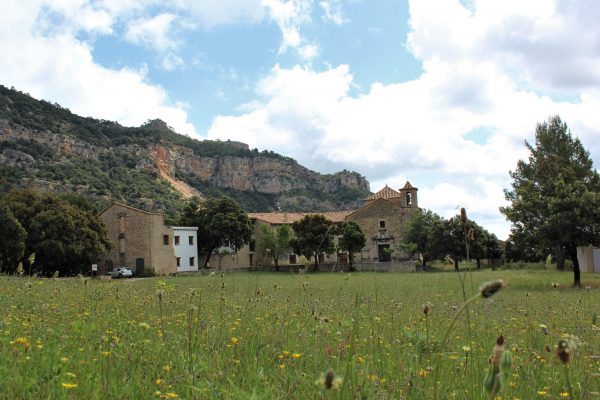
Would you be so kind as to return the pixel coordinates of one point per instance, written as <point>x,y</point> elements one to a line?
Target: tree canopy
<point>555,195</point>
<point>313,236</point>
<point>12,240</point>
<point>352,240</point>
<point>435,238</point>
<point>416,236</point>
<point>220,221</point>
<point>274,242</point>
<point>62,236</point>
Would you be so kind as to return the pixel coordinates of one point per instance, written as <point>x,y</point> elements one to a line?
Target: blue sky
<point>439,92</point>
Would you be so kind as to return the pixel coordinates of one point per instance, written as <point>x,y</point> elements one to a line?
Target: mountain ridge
<point>46,147</point>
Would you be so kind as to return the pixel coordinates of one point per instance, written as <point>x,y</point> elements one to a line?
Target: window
<point>321,258</point>
<point>192,261</point>
<point>176,239</point>
<point>381,224</point>
<point>408,199</point>
<point>166,240</point>
<point>293,259</point>
<point>252,245</point>
<point>191,240</point>
<point>179,261</point>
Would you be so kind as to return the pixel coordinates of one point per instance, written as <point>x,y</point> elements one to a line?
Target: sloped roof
<point>116,203</point>
<point>371,204</point>
<point>385,193</point>
<point>291,217</point>
<point>408,186</point>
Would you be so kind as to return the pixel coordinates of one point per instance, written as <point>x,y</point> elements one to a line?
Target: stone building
<point>589,258</point>
<point>382,218</point>
<point>140,241</point>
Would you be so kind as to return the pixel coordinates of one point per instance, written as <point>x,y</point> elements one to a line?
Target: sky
<point>442,93</point>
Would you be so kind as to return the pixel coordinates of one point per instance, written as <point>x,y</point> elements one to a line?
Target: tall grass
<point>280,336</point>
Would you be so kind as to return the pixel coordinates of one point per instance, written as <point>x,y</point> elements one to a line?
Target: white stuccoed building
<point>186,248</point>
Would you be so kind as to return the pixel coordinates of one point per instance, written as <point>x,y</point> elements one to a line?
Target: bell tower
<point>409,196</point>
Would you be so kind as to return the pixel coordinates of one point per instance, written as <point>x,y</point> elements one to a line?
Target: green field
<point>275,336</point>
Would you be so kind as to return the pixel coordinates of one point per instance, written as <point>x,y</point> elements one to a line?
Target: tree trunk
<point>560,257</point>
<point>207,260</point>
<point>572,252</point>
<point>478,262</point>
<point>456,264</point>
<point>316,266</point>
<point>276,262</point>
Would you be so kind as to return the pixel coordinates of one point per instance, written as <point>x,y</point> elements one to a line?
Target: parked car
<point>121,272</point>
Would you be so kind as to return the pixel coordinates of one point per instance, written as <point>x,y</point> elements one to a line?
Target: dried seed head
<point>563,352</point>
<point>463,215</point>
<point>425,309</point>
<point>329,377</point>
<point>488,289</point>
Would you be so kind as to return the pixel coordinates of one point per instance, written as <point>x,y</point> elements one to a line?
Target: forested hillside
<point>48,148</point>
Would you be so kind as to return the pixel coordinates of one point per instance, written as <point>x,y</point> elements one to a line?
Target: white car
<point>121,272</point>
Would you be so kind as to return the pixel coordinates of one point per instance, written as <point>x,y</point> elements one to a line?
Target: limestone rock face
<point>15,158</point>
<point>261,174</point>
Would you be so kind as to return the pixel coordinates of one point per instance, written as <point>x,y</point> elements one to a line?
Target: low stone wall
<point>395,266</point>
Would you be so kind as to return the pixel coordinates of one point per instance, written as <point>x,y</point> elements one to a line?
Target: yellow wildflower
<point>69,385</point>
<point>171,395</point>
<point>296,356</point>
<point>22,342</point>
<point>234,341</point>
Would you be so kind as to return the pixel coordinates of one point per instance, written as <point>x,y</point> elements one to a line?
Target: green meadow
<point>289,336</point>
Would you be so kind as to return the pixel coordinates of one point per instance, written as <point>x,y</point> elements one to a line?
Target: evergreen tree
<point>314,236</point>
<point>555,196</point>
<point>12,241</point>
<point>352,240</point>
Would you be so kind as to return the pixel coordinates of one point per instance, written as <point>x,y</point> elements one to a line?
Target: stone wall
<point>370,218</point>
<point>397,266</point>
<point>137,235</point>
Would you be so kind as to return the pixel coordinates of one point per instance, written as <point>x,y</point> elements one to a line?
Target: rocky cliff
<point>46,147</point>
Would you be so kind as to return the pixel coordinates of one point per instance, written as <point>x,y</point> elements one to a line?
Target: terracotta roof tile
<point>385,193</point>
<point>408,186</point>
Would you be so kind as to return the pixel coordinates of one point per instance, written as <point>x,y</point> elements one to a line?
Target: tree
<point>275,242</point>
<point>12,241</point>
<point>62,236</point>
<point>220,221</point>
<point>555,196</point>
<point>314,235</point>
<point>416,236</point>
<point>352,240</point>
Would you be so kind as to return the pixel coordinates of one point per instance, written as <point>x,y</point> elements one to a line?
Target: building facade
<point>185,244</point>
<point>589,258</point>
<point>139,239</point>
<point>382,219</point>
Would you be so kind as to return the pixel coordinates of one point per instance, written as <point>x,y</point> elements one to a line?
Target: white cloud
<point>152,32</point>
<point>289,15</point>
<point>60,68</point>
<point>332,10</point>
<point>497,65</point>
